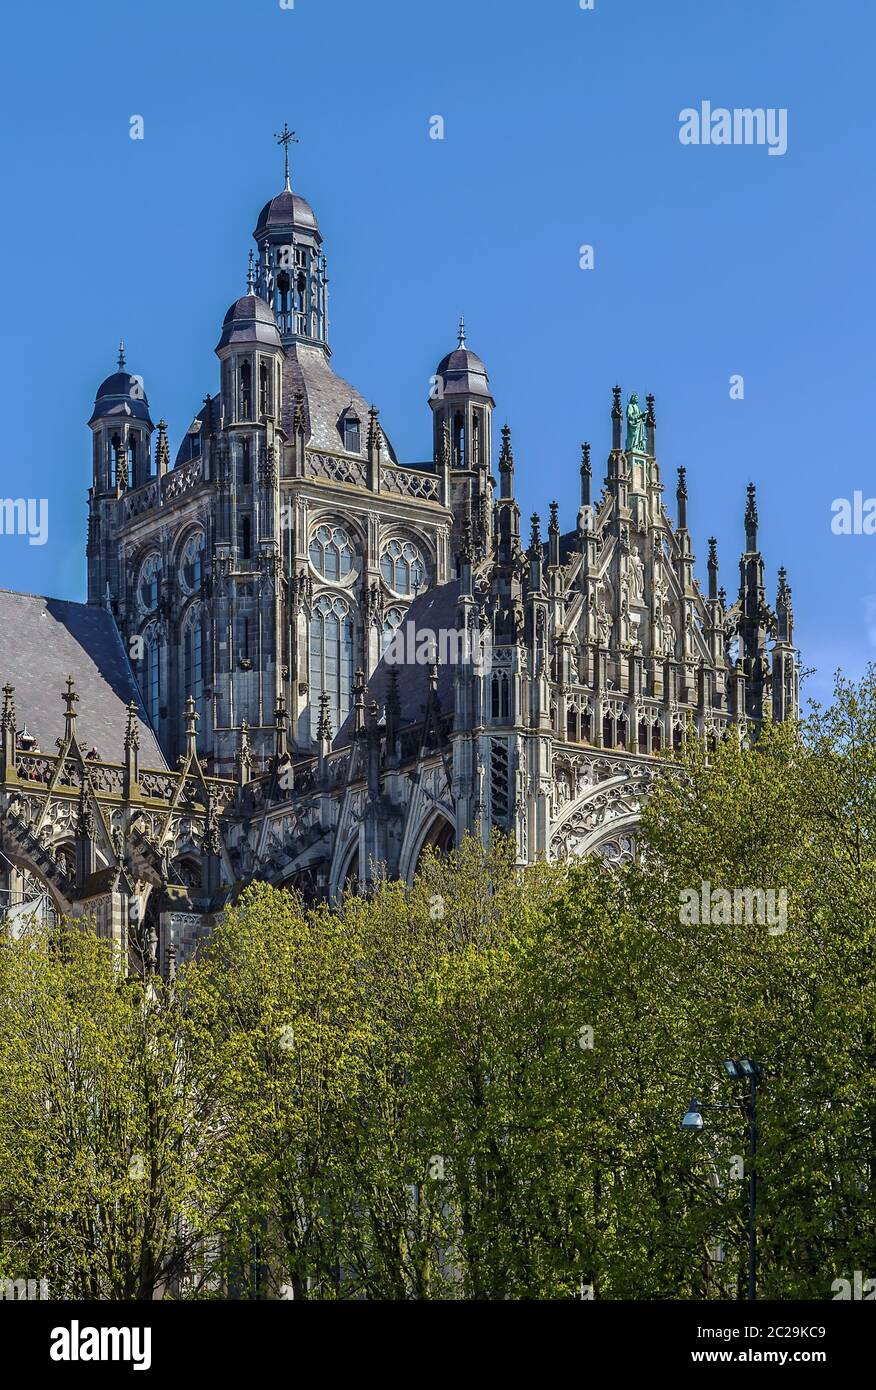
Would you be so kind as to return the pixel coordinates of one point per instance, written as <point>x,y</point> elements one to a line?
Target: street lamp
<point>739,1069</point>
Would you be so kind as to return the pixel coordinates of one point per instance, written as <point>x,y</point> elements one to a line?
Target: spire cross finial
<point>286,138</point>
<point>461,340</point>
<point>121,353</point>
<point>250,276</point>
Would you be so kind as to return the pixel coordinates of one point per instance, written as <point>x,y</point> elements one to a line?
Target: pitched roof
<point>432,614</point>
<point>45,640</point>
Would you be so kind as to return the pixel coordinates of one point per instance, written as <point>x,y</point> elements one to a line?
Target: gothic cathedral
<point>291,626</point>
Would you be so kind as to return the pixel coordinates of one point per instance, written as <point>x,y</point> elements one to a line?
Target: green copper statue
<point>635,427</point>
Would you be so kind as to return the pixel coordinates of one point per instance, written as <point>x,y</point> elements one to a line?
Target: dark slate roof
<point>288,209</point>
<point>250,320</point>
<point>463,373</point>
<point>435,610</point>
<point>45,640</point>
<point>196,430</point>
<point>121,394</point>
<point>326,398</point>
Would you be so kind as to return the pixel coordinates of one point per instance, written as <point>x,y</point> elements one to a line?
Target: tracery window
<point>331,659</point>
<point>151,681</point>
<point>331,552</point>
<point>192,567</point>
<point>392,621</point>
<point>150,580</point>
<point>403,567</point>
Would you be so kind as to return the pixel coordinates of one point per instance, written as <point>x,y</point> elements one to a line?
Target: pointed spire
<point>121,354</point>
<point>162,452</point>
<point>506,465</point>
<point>461,339</point>
<point>281,728</point>
<point>586,476</point>
<point>243,756</point>
<point>324,723</point>
<point>506,457</point>
<point>359,701</point>
<point>250,275</point>
<point>650,425</point>
<point>713,568</point>
<point>7,718</point>
<point>132,727</point>
<point>554,523</point>
<point>71,700</point>
<point>375,435</point>
<point>751,519</point>
<point>681,499</point>
<point>535,535</point>
<point>191,728</point>
<point>784,587</point>
<point>617,416</point>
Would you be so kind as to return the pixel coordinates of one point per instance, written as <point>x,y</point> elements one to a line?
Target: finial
<point>784,596</point>
<point>585,460</point>
<point>751,506</point>
<point>324,723</point>
<point>250,276</point>
<point>191,719</point>
<point>162,453</point>
<point>506,457</point>
<point>650,418</point>
<point>375,437</point>
<point>554,523</point>
<point>8,717</point>
<point>535,532</point>
<point>616,401</point>
<point>286,138</point>
<point>121,354</point>
<point>132,727</point>
<point>713,550</point>
<point>461,339</point>
<point>71,700</point>
<point>682,483</point>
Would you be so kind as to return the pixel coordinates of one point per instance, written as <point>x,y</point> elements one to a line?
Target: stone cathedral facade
<point>324,659</point>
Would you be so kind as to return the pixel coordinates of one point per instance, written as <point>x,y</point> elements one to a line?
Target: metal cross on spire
<point>286,138</point>
<point>461,341</point>
<point>121,354</point>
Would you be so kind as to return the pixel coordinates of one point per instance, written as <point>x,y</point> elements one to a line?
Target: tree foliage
<point>472,1088</point>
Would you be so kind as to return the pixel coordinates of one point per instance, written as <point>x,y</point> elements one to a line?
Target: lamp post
<point>739,1069</point>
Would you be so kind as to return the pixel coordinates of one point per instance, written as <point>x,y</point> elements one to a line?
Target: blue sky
<point>561,129</point>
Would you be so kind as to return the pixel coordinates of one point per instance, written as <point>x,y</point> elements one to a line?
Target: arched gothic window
<point>192,567</point>
<point>264,394</point>
<point>245,463</point>
<point>193,661</point>
<point>150,579</point>
<point>402,567</point>
<point>245,391</point>
<point>132,458</point>
<point>459,440</point>
<point>244,538</point>
<point>151,679</point>
<point>331,552</point>
<point>331,659</point>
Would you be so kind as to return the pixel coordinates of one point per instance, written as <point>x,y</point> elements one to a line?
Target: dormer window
<point>352,435</point>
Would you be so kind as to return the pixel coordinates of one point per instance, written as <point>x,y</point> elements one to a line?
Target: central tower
<point>291,268</point>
